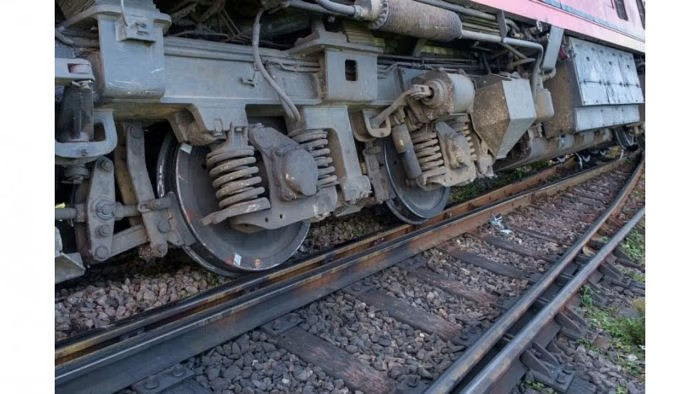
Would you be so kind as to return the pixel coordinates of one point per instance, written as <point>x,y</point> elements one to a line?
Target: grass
<point>482,185</point>
<point>633,245</point>
<point>538,386</point>
<point>627,333</point>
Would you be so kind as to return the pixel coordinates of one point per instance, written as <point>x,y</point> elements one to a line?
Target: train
<point>225,128</point>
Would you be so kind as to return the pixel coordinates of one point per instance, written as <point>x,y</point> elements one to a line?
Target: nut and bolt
<point>105,209</point>
<point>151,383</point>
<point>104,230</point>
<point>106,165</point>
<point>101,253</point>
<point>163,226</point>
<point>178,370</point>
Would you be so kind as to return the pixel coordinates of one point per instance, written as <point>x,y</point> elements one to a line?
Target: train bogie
<point>226,128</point>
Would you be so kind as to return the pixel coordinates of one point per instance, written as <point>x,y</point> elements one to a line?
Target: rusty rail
<point>457,372</point>
<point>142,346</point>
<point>500,364</point>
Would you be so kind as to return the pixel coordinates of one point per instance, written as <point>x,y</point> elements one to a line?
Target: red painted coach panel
<point>593,18</point>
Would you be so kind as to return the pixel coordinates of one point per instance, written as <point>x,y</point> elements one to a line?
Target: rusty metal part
<point>316,142</point>
<point>153,211</point>
<point>503,111</point>
<point>467,361</point>
<point>233,171</point>
<point>408,202</point>
<point>219,247</point>
<point>134,349</point>
<point>540,148</point>
<point>292,175</point>
<point>517,345</point>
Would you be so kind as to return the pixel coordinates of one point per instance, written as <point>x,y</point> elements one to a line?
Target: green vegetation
<point>482,185</point>
<point>633,245</point>
<point>626,333</point>
<point>538,386</point>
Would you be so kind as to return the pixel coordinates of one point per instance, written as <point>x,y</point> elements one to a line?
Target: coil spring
<point>315,141</point>
<point>427,147</point>
<point>232,169</point>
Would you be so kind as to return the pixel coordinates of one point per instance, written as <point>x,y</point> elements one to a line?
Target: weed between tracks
<point>627,334</point>
<point>633,245</point>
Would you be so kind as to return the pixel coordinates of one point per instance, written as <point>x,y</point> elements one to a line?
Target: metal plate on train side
<point>605,76</point>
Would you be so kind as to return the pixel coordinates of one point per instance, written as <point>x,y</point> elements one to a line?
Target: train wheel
<point>411,204</point>
<point>218,247</point>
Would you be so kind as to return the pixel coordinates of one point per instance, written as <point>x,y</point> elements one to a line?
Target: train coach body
<point>226,127</point>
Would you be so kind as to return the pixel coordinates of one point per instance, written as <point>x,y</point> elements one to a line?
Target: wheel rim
<point>219,247</point>
<point>411,204</point>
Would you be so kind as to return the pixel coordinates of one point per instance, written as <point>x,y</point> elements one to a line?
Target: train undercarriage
<point>225,128</point>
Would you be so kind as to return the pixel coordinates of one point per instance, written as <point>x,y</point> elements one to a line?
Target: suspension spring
<point>315,141</point>
<point>233,172</point>
<point>427,147</point>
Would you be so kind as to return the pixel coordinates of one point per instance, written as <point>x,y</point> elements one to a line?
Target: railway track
<point>529,253</point>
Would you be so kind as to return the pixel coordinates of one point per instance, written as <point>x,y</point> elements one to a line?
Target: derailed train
<point>226,127</point>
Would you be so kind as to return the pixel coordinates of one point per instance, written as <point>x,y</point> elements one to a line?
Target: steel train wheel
<point>219,247</point>
<point>412,204</point>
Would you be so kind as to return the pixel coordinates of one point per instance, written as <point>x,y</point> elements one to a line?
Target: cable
<point>289,108</point>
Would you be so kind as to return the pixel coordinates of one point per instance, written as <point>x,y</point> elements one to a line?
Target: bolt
<point>276,325</point>
<point>101,253</point>
<point>106,165</point>
<point>104,230</point>
<point>83,152</point>
<point>178,370</point>
<point>105,209</point>
<point>163,226</point>
<point>561,379</point>
<point>151,383</point>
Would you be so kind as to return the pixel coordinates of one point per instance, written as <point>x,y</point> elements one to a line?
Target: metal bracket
<point>100,209</point>
<point>358,288</point>
<point>137,28</point>
<point>154,215</point>
<point>545,368</point>
<point>470,335</point>
<point>502,27</point>
<point>166,380</point>
<point>70,70</point>
<point>91,150</point>
<point>282,324</point>
<point>68,265</point>
<point>411,385</point>
<point>572,324</point>
<point>613,275</point>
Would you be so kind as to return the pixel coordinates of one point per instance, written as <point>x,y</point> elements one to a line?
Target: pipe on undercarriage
<point>302,5</point>
<point>342,9</point>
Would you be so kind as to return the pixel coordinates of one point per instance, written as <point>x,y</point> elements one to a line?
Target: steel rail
<point>505,358</point>
<point>106,362</point>
<point>72,347</point>
<point>451,377</point>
